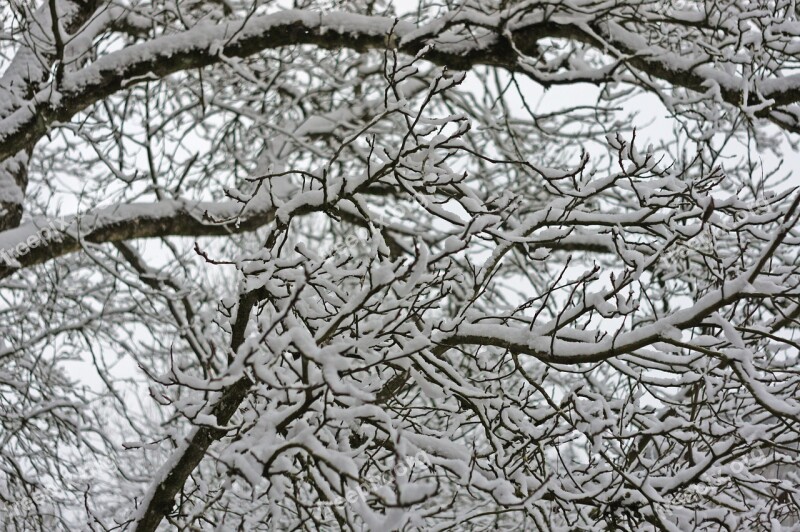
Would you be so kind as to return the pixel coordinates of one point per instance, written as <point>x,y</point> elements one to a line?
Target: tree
<point>329,265</point>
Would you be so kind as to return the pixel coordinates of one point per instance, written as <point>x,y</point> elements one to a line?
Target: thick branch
<point>160,499</point>
<point>35,243</point>
<point>19,83</point>
<point>203,45</point>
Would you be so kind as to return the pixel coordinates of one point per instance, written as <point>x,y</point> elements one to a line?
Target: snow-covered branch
<point>349,269</point>
<point>39,241</point>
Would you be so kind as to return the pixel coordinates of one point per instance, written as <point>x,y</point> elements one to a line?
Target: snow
<point>531,334</point>
<point>47,231</point>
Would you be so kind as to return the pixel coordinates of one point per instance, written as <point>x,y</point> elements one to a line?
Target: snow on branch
<point>432,300</point>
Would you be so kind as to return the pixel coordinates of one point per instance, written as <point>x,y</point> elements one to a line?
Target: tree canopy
<point>311,265</point>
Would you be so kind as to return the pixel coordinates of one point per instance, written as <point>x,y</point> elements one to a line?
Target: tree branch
<point>201,46</point>
<point>37,242</point>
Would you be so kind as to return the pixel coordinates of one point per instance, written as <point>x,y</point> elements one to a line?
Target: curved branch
<point>204,44</point>
<point>37,242</point>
